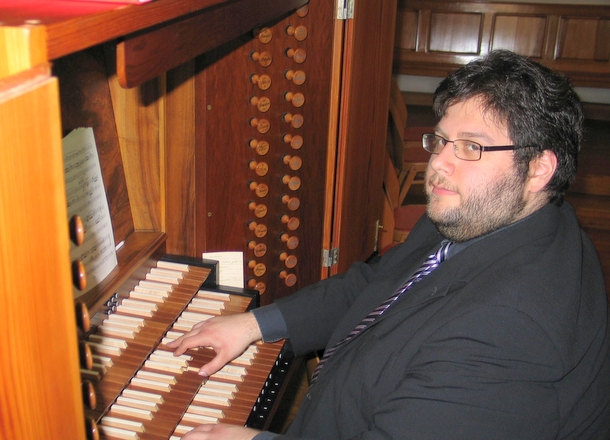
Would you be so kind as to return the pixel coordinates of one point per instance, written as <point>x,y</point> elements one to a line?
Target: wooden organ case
<point>220,125</point>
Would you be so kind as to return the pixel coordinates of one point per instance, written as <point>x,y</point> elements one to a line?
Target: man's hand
<point>228,335</point>
<point>220,432</point>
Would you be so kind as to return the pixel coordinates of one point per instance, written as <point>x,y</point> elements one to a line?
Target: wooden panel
<point>225,157</point>
<point>181,123</point>
<point>521,34</point>
<point>455,33</point>
<point>40,380</point>
<point>568,38</point>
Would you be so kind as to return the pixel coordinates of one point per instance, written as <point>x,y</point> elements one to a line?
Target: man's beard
<point>484,211</point>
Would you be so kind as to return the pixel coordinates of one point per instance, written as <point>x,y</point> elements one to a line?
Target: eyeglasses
<point>462,148</point>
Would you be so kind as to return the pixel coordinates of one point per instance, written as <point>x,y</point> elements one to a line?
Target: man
<point>508,337</point>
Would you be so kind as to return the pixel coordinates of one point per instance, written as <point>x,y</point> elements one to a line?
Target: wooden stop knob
<point>79,276</point>
<point>77,230</point>
<point>290,279</point>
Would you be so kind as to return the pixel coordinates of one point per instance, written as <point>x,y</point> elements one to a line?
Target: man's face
<point>467,199</point>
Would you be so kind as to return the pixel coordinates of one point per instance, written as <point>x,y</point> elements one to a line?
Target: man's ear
<point>541,171</point>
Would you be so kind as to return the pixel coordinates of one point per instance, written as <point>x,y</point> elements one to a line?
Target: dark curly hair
<point>537,104</point>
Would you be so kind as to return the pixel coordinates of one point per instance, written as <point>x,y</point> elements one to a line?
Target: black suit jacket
<point>508,339</point>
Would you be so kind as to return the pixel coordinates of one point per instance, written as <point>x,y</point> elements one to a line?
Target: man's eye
<point>473,147</point>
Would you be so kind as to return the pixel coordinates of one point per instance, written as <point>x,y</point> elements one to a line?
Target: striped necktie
<point>431,263</point>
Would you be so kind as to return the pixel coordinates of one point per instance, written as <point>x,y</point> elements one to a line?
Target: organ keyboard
<point>135,388</point>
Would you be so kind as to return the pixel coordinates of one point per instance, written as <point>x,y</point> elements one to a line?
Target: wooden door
<point>365,91</point>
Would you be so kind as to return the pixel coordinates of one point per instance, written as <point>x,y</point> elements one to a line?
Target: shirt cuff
<point>271,323</point>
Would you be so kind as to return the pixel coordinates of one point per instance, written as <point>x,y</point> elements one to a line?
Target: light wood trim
<point>40,380</point>
<point>21,48</point>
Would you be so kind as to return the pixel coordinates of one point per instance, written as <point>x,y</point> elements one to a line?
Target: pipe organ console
<point>249,125</point>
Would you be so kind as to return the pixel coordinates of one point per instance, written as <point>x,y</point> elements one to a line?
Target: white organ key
<point>228,375</point>
<point>157,377</point>
<point>132,412</point>
<point>107,329</point>
<point>121,423</point>
<point>118,433</point>
<point>204,411</point>
<point>104,360</point>
<point>105,349</point>
<point>135,311</point>
<point>138,304</point>
<point>182,267</point>
<point>214,400</point>
<point>168,357</point>
<point>155,285</point>
<point>107,341</point>
<point>196,317</point>
<point>210,294</point>
<point>167,272</point>
<point>142,395</point>
<point>181,430</point>
<point>152,290</point>
<point>127,320</point>
<point>146,296</point>
<point>162,278</point>
<point>208,303</point>
<point>150,384</point>
<point>137,403</point>
<point>234,369</point>
<point>162,366</point>
<point>197,418</point>
<point>224,386</point>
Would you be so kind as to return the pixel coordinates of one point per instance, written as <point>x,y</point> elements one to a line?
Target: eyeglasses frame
<point>483,147</point>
